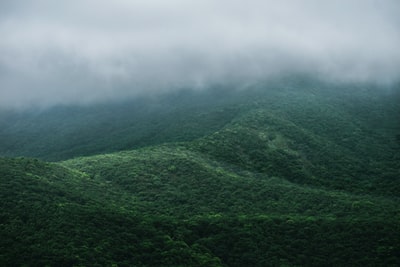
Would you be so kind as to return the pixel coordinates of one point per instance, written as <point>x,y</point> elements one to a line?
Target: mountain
<point>293,172</point>
<point>63,132</point>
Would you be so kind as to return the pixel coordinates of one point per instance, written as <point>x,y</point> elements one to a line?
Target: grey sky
<point>85,50</point>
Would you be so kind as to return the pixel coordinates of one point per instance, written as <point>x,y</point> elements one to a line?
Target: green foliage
<point>66,132</point>
<point>287,174</point>
<point>177,181</point>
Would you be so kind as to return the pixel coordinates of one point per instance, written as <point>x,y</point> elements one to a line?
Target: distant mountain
<point>291,173</point>
<point>64,132</point>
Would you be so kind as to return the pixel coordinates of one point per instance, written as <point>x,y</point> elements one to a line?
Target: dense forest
<point>286,172</point>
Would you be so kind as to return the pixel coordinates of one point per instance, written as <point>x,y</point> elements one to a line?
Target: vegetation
<point>296,173</point>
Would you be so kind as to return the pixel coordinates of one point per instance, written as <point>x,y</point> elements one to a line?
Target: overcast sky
<point>84,50</point>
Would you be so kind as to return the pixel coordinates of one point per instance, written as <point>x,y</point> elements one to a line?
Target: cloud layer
<point>88,50</point>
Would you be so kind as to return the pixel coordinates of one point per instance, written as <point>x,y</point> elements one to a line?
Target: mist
<point>85,51</point>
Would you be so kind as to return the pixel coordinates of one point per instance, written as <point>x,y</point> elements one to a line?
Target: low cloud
<point>87,50</point>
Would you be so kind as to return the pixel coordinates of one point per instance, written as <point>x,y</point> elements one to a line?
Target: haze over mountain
<point>291,173</point>
<point>199,133</point>
<point>85,51</point>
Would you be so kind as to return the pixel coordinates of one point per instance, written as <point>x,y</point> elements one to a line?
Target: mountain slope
<point>55,216</point>
<point>183,183</point>
<point>266,142</point>
<point>167,205</point>
<point>362,117</point>
<point>293,173</point>
<point>64,132</point>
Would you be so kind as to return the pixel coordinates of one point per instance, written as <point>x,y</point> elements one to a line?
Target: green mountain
<point>63,132</point>
<point>295,172</point>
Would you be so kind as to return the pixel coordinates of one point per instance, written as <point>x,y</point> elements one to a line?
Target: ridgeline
<point>294,172</point>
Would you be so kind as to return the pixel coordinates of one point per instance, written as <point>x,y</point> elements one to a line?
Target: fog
<point>54,52</point>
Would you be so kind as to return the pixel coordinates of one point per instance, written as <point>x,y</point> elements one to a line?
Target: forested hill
<point>349,115</point>
<point>339,136</point>
<point>294,172</point>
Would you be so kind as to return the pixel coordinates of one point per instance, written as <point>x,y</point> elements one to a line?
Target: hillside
<point>63,132</point>
<point>292,173</point>
<point>169,206</point>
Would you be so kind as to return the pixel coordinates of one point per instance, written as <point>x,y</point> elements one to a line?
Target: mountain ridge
<point>276,178</point>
